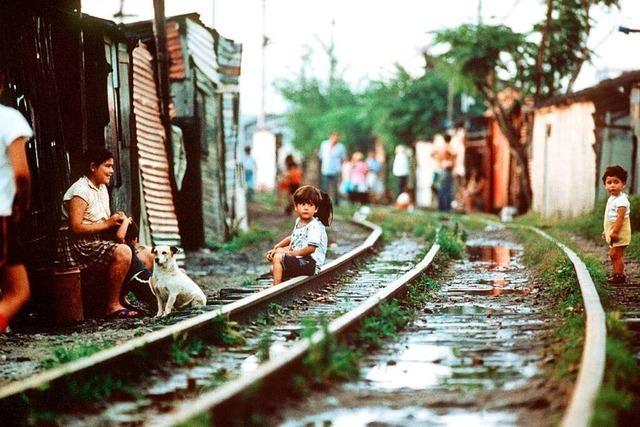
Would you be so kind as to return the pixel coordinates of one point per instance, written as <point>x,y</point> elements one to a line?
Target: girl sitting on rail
<point>303,252</point>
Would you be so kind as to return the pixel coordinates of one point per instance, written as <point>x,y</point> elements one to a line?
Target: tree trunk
<point>543,45</point>
<point>519,152</point>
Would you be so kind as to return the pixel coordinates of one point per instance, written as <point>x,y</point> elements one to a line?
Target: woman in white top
<point>400,167</point>
<point>87,225</point>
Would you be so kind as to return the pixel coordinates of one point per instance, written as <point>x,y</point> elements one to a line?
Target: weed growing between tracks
<point>330,360</point>
<point>69,353</point>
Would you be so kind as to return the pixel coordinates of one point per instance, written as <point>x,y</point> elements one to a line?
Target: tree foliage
<point>539,64</point>
<point>399,110</point>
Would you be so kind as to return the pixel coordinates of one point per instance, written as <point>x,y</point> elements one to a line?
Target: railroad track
<point>235,401</point>
<point>228,403</point>
<point>18,398</point>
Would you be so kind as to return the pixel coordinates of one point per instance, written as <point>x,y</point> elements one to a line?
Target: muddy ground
<point>23,351</point>
<point>476,356</point>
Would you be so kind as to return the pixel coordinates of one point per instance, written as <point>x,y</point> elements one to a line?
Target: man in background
<point>332,154</point>
<point>249,164</point>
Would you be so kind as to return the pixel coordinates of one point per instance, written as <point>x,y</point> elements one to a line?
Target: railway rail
<point>235,398</point>
<point>16,398</point>
<point>233,401</point>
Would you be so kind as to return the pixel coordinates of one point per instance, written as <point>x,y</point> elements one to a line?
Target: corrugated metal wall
<point>229,54</point>
<point>563,160</point>
<point>154,167</point>
<point>201,48</point>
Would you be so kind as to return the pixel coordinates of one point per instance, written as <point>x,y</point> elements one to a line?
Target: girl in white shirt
<point>303,252</point>
<point>617,226</point>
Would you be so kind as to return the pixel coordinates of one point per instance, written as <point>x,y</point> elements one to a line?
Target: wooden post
<point>162,69</point>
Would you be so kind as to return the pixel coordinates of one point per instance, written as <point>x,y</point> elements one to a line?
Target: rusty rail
<point>592,363</point>
<point>233,400</point>
<point>14,397</point>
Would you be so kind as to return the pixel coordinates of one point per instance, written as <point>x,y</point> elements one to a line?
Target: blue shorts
<point>293,266</point>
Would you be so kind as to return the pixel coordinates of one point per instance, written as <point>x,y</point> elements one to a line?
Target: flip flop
<point>123,313</point>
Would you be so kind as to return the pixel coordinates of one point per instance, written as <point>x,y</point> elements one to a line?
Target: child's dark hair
<point>97,156</point>
<point>320,199</point>
<point>617,171</point>
<point>132,232</point>
<point>290,162</point>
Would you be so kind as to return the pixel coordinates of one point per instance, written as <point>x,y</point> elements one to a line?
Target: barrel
<point>65,295</point>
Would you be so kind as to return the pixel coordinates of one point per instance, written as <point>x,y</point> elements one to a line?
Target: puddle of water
<point>467,340</point>
<point>411,416</point>
<point>357,284</point>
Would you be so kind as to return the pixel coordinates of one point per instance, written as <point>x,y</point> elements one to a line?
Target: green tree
<point>540,64</point>
<point>406,108</point>
<point>317,108</point>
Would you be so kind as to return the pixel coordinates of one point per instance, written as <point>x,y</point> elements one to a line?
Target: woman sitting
<point>88,230</point>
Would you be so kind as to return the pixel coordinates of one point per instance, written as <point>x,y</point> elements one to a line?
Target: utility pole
<point>213,16</point>
<point>160,35</point>
<point>479,12</point>
<point>263,89</point>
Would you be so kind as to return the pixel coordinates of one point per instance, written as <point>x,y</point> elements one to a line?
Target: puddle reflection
<point>411,416</point>
<point>498,256</point>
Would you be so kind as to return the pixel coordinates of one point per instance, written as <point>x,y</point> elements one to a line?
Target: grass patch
<point>395,223</point>
<point>184,350</point>
<point>226,333</point>
<point>617,400</point>
<point>99,388</point>
<point>264,345</point>
<point>451,241</point>
<point>243,239</point>
<point>69,353</point>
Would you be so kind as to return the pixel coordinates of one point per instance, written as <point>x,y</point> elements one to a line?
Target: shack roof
<point>201,43</point>
<point>608,95</point>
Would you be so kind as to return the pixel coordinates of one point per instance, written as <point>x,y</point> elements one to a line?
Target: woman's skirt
<point>86,253</point>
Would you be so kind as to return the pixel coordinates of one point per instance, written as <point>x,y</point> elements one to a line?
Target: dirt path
<point>23,351</point>
<point>626,297</point>
<point>477,355</point>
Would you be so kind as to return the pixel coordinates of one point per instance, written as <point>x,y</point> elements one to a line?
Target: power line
<point>508,14</point>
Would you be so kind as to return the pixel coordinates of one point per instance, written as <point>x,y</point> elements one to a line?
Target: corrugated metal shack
<point>210,202</point>
<point>576,136</point>
<point>229,61</point>
<point>158,220</point>
<point>69,74</point>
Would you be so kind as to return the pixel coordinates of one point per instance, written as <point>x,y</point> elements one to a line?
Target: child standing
<point>617,226</point>
<point>303,252</point>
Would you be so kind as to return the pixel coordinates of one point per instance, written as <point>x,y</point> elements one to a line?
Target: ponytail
<point>325,210</point>
<point>319,199</point>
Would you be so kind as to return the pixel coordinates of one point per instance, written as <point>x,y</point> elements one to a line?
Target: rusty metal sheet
<point>229,55</point>
<point>152,156</point>
<point>201,47</point>
<point>176,58</point>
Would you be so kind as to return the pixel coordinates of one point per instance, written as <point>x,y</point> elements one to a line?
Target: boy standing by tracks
<point>617,226</point>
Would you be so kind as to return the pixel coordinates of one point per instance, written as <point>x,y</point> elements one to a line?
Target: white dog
<point>171,286</point>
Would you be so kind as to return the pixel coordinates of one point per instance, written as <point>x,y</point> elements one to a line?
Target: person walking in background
<point>446,157</point>
<point>249,172</point>
<point>332,154</point>
<point>374,186</point>
<point>400,168</point>
<point>291,181</point>
<point>358,178</point>
<point>15,192</point>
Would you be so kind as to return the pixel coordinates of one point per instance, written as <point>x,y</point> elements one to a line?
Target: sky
<point>370,36</point>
